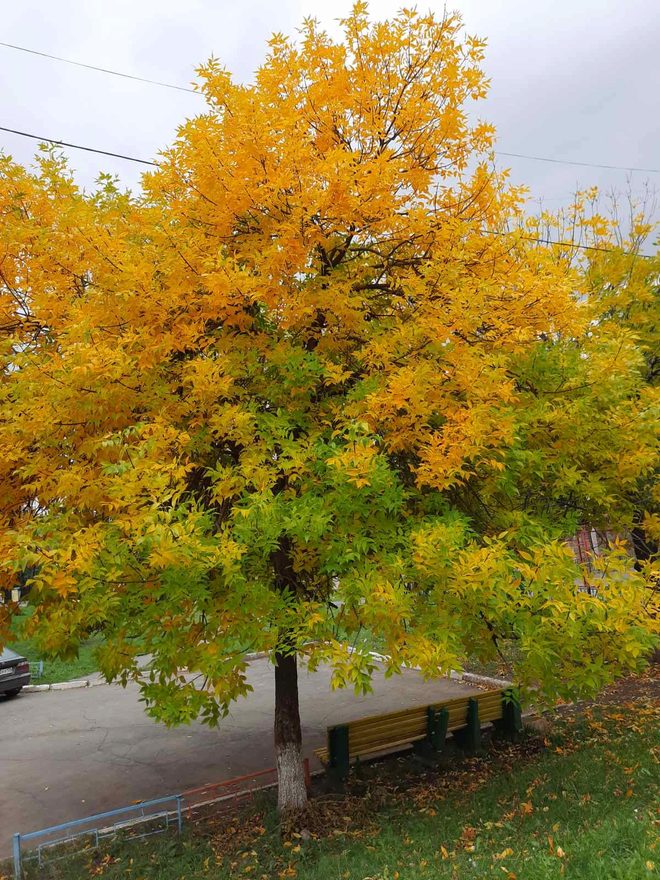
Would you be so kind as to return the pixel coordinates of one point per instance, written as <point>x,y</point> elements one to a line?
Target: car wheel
<point>14,692</point>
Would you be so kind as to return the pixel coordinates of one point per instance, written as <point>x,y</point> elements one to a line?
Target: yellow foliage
<point>319,378</point>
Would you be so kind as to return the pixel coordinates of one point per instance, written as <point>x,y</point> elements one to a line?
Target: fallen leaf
<point>504,854</point>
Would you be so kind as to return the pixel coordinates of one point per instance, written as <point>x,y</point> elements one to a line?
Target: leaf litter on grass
<point>558,805</point>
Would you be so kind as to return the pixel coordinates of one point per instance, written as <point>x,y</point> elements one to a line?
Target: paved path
<point>67,754</point>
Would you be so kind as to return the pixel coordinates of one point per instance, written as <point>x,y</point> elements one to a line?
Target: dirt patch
<point>643,688</point>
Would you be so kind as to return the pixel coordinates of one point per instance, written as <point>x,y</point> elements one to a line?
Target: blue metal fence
<point>98,827</point>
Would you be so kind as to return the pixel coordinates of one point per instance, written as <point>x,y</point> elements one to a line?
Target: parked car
<point>14,672</point>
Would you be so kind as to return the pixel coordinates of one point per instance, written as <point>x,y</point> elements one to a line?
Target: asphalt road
<point>67,754</point>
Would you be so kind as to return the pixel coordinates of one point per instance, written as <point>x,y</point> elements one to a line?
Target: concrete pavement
<point>67,754</point>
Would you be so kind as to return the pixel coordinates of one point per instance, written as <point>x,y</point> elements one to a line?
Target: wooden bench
<point>379,734</point>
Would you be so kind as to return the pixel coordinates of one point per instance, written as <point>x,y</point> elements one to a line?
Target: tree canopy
<point>318,386</point>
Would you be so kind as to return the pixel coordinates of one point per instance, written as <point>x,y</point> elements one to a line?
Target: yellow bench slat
<point>386,747</point>
<point>373,720</point>
<point>391,735</point>
<point>416,718</point>
<point>493,714</point>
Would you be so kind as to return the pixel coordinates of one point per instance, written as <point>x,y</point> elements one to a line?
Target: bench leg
<point>469,737</point>
<point>437,723</point>
<point>511,721</point>
<point>338,751</point>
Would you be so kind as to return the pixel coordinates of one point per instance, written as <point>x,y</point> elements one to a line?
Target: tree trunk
<point>292,790</point>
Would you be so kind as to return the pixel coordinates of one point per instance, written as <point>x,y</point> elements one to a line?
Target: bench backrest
<point>411,725</point>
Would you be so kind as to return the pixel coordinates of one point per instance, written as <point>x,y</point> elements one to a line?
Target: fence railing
<point>226,794</point>
<point>49,844</point>
<point>58,841</point>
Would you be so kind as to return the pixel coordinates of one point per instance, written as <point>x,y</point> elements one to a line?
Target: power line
<point>153,82</point>
<point>571,244</point>
<point>165,85</point>
<point>583,164</point>
<point>37,137</point>
<point>546,241</point>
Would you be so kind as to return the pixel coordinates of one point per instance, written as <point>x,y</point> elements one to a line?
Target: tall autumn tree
<point>307,390</point>
<point>625,286</point>
<point>614,249</point>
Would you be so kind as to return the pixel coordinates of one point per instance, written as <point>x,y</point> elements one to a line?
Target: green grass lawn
<point>578,805</point>
<point>54,669</point>
<point>59,670</point>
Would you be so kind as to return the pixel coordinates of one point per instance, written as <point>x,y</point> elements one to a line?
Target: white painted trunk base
<point>291,788</point>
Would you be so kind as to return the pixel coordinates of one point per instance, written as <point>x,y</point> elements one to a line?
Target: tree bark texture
<point>292,790</point>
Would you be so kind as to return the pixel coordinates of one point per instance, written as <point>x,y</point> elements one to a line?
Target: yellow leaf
<point>504,854</point>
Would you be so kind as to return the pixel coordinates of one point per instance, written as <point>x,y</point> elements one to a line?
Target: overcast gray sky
<point>571,79</point>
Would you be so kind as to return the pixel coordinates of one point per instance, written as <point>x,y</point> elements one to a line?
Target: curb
<point>483,679</point>
<point>61,685</point>
<point>258,655</point>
